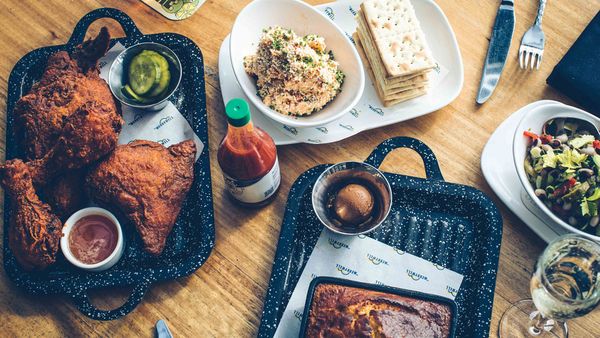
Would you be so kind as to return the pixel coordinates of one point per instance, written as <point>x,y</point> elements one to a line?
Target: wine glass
<point>564,285</point>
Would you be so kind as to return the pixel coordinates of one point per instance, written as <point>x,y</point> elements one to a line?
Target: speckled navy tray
<point>193,236</point>
<point>454,226</point>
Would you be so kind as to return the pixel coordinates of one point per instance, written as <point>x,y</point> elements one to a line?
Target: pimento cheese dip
<point>294,75</point>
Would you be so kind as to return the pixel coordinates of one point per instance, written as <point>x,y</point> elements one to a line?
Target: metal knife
<point>497,50</point>
<point>162,330</point>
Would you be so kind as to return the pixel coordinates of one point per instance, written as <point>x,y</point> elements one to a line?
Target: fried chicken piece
<point>148,184</point>
<point>90,51</point>
<point>68,121</point>
<point>65,194</point>
<point>66,85</point>
<point>34,231</point>
<point>90,133</point>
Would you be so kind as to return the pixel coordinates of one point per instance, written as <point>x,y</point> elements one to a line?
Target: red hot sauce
<point>248,158</point>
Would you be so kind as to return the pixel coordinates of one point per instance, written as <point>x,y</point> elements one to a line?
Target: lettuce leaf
<point>582,140</point>
<point>585,208</point>
<point>550,160</point>
<point>593,207</point>
<point>571,159</point>
<point>596,159</point>
<point>595,195</point>
<point>588,208</point>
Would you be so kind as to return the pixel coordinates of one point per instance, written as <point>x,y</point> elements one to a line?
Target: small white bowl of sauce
<point>92,239</point>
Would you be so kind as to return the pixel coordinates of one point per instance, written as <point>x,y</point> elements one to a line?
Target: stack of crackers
<point>394,50</point>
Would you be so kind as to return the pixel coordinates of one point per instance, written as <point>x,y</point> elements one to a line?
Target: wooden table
<point>224,298</point>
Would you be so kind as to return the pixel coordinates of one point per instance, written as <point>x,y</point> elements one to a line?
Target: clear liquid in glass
<point>566,282</point>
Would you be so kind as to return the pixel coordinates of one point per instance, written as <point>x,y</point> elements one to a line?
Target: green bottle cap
<point>238,112</point>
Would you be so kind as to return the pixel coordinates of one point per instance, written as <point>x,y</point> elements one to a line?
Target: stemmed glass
<point>564,285</point>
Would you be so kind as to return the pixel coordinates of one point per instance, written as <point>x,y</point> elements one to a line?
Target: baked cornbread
<point>344,311</point>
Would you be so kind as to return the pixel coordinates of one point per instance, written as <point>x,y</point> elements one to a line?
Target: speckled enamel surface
<point>454,226</point>
<point>193,236</point>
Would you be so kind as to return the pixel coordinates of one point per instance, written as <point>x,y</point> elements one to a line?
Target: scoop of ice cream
<point>353,204</point>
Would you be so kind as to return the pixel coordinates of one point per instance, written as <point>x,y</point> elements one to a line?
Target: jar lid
<point>238,112</point>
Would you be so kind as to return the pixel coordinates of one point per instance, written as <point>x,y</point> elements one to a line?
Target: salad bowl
<point>534,122</point>
<point>303,19</point>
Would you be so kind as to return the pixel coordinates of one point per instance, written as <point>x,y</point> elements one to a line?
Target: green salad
<point>562,165</point>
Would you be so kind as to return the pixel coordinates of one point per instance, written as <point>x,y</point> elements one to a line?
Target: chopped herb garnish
<point>339,76</point>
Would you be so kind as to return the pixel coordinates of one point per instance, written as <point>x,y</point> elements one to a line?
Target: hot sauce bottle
<point>248,158</point>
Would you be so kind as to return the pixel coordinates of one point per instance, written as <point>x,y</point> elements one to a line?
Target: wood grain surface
<point>224,298</point>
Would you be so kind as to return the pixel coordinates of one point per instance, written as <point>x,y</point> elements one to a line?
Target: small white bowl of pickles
<point>144,76</point>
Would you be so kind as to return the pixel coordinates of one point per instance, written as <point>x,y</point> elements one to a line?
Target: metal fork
<point>532,44</point>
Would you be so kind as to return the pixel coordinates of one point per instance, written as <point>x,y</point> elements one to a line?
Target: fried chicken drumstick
<point>148,183</point>
<point>34,231</point>
<point>67,121</point>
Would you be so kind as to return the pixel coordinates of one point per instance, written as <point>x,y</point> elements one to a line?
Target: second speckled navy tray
<point>454,226</point>
<point>193,235</point>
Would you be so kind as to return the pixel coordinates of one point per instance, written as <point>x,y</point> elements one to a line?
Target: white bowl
<point>107,263</point>
<point>303,19</point>
<point>534,120</point>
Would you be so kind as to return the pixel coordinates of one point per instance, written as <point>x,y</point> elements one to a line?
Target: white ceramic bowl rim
<point>519,155</point>
<point>299,122</point>
<point>64,241</point>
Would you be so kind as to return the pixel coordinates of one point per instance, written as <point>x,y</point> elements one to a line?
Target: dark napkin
<point>578,73</point>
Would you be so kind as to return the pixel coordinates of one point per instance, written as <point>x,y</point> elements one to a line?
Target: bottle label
<point>257,190</point>
<point>175,9</point>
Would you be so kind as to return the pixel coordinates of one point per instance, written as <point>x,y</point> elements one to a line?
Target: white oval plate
<point>368,113</point>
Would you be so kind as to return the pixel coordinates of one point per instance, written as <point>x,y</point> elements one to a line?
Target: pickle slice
<point>127,91</point>
<point>144,74</point>
<point>165,74</point>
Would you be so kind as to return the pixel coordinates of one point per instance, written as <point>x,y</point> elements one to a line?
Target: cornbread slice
<point>347,311</point>
<point>398,37</point>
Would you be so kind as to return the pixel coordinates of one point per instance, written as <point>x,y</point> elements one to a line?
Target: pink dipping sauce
<point>93,238</point>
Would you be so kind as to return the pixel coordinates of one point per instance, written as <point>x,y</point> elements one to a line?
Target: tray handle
<point>432,168</point>
<point>83,304</point>
<point>123,19</point>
